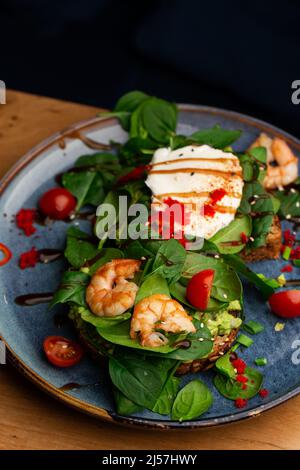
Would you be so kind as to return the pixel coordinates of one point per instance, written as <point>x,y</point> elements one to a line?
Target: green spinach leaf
<point>119,334</point>
<point>164,403</point>
<point>201,344</point>
<point>192,401</point>
<point>238,265</point>
<point>79,249</point>
<point>289,202</point>
<point>102,322</point>
<point>228,239</point>
<point>169,260</point>
<point>153,284</point>
<point>72,289</point>
<point>124,406</point>
<point>225,367</point>
<point>140,378</point>
<point>232,389</point>
<point>86,186</point>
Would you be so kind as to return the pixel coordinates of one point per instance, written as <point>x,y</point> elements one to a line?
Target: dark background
<point>240,55</point>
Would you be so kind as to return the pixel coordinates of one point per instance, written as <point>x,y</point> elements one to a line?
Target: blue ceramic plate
<point>24,328</point>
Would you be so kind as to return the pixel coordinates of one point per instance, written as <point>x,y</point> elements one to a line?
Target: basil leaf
<point>72,288</point>
<point>86,186</point>
<point>226,238</point>
<point>153,284</point>
<point>130,101</point>
<point>215,137</point>
<point>159,119</point>
<point>140,378</point>
<point>124,406</point>
<point>164,403</point>
<point>137,150</point>
<point>78,249</point>
<point>169,260</point>
<point>232,389</point>
<point>192,401</point>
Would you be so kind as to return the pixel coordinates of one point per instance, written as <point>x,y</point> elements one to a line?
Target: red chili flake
<point>240,402</point>
<point>209,210</point>
<point>241,378</point>
<point>136,174</point>
<point>239,365</point>
<point>244,238</point>
<point>217,195</point>
<point>287,269</point>
<point>289,238</point>
<point>295,253</point>
<point>244,387</point>
<point>252,381</point>
<point>263,392</point>
<point>29,259</point>
<point>25,219</point>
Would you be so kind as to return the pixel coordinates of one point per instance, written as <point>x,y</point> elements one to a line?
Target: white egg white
<point>189,175</point>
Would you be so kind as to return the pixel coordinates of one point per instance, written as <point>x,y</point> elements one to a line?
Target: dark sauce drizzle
<point>29,300</point>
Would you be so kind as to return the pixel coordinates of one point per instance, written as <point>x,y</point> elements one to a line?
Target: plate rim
<point>97,411</point>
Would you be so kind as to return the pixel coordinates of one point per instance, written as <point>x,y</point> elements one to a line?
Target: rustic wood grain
<point>29,419</point>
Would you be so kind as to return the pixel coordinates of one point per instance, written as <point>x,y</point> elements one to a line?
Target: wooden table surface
<point>29,419</point>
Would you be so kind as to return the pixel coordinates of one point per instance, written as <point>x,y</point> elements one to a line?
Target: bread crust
<point>272,248</point>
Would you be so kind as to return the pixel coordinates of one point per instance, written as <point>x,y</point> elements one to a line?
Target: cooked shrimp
<point>159,312</point>
<point>109,293</point>
<point>286,169</point>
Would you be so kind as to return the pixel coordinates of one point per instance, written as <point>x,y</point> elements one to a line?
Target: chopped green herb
<point>253,327</point>
<point>296,263</point>
<point>244,340</point>
<point>261,361</point>
<point>287,253</point>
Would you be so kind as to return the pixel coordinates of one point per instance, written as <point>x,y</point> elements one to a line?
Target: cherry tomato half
<point>286,304</point>
<point>57,203</point>
<point>199,287</point>
<point>62,352</point>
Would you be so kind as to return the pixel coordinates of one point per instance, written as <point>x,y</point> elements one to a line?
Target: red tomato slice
<point>286,304</point>
<point>57,203</point>
<point>62,352</point>
<point>199,287</point>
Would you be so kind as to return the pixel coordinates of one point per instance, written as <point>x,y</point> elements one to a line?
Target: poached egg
<point>206,180</point>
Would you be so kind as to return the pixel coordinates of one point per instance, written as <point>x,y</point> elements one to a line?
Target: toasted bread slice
<point>271,250</point>
<point>96,346</point>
